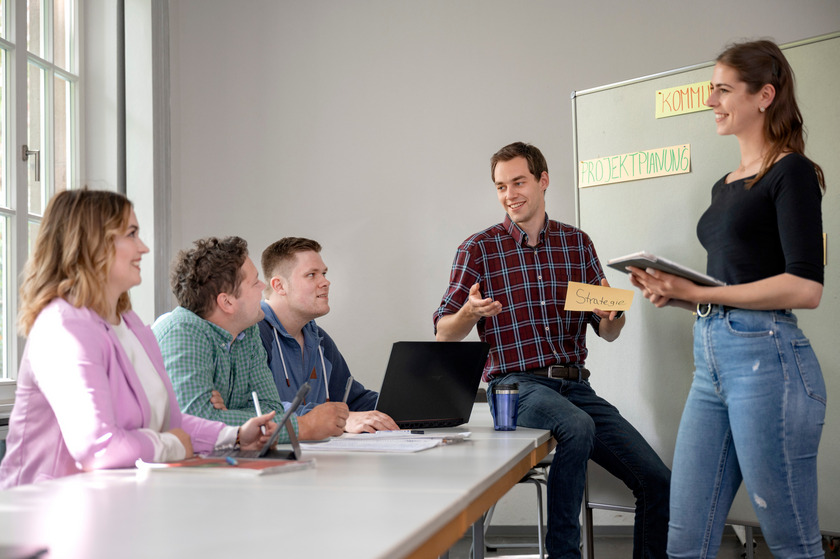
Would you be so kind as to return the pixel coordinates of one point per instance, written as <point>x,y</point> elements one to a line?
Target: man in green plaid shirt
<point>211,342</point>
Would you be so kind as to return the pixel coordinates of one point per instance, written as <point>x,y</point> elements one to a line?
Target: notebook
<point>432,384</point>
<point>269,450</point>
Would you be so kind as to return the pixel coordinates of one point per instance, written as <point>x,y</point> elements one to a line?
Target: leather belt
<point>561,372</point>
<point>705,309</point>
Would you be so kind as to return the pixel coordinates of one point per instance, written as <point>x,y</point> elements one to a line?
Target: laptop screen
<point>432,384</point>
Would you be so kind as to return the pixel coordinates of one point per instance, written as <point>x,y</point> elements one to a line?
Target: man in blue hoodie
<point>297,292</point>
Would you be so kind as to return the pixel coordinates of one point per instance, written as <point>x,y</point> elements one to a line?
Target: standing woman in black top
<point>757,403</point>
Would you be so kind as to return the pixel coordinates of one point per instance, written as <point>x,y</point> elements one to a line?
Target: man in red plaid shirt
<point>509,281</point>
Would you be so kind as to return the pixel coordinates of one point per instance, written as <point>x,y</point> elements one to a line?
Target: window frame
<point>15,207</point>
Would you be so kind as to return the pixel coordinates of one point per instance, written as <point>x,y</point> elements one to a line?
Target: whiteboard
<point>647,372</point>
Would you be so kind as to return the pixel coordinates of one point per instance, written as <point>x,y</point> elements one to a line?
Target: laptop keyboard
<point>234,452</point>
<point>430,423</point>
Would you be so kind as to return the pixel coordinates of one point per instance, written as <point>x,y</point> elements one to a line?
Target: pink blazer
<point>79,402</point>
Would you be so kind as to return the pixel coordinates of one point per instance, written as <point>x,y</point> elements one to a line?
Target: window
<point>39,137</point>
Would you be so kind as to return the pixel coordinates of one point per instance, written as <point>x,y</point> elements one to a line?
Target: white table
<point>363,505</point>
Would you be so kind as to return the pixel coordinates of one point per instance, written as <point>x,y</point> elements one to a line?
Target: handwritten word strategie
<point>587,297</point>
<point>660,162</point>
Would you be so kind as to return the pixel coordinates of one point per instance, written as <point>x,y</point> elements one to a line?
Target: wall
<point>368,125</point>
<point>102,120</point>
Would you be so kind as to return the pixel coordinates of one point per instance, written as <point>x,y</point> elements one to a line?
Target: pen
<point>347,389</point>
<point>231,460</point>
<point>257,407</point>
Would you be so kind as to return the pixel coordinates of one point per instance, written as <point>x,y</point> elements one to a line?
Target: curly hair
<point>73,254</point>
<point>759,63</point>
<point>211,267</point>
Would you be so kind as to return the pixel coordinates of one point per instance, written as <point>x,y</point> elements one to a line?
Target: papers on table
<point>371,445</point>
<point>387,441</point>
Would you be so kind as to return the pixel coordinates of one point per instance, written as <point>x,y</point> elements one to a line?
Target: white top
<point>167,445</point>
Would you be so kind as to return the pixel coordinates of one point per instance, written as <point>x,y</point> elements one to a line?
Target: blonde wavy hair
<point>74,251</point>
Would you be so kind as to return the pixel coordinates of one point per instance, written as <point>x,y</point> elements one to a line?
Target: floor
<point>616,547</point>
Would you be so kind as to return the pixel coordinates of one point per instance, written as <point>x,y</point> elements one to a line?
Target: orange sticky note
<point>586,297</point>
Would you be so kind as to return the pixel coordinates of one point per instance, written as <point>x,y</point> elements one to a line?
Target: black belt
<point>705,309</point>
<point>561,372</point>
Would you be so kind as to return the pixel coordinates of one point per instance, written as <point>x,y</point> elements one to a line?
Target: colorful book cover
<point>238,466</point>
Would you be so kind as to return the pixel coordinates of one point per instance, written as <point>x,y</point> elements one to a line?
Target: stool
<point>538,475</point>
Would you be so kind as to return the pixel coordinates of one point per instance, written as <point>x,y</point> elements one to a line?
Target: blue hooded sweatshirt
<point>320,352</point>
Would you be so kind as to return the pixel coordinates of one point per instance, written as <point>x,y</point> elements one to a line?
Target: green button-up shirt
<point>201,357</point>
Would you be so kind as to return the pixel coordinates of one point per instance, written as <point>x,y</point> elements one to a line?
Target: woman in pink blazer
<point>92,392</point>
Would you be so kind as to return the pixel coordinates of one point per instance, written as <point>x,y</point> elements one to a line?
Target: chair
<point>538,475</point>
<point>587,525</point>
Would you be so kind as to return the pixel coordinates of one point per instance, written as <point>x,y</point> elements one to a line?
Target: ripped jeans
<point>754,413</point>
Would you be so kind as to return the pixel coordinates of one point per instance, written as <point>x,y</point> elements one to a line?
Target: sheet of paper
<point>586,297</point>
<point>373,444</point>
<point>409,434</point>
<point>404,440</point>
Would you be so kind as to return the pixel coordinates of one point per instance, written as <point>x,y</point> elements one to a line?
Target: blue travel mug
<point>505,406</point>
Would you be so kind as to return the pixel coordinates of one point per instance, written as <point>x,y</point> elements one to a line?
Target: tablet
<point>268,450</point>
<point>646,260</point>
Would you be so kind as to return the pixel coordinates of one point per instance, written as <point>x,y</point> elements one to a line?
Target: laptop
<point>432,384</point>
<point>269,450</point>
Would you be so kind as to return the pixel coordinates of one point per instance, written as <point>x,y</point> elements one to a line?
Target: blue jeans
<point>754,413</point>
<point>587,426</point>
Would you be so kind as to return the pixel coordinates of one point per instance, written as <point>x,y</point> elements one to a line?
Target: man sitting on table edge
<point>509,282</point>
<point>211,341</point>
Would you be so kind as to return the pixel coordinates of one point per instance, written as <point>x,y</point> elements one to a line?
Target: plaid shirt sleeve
<point>196,365</point>
<point>530,281</point>
<point>594,269</point>
<point>463,276</point>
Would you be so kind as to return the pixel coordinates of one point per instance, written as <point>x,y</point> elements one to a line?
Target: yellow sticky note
<point>683,99</point>
<point>586,297</point>
<point>646,164</point>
